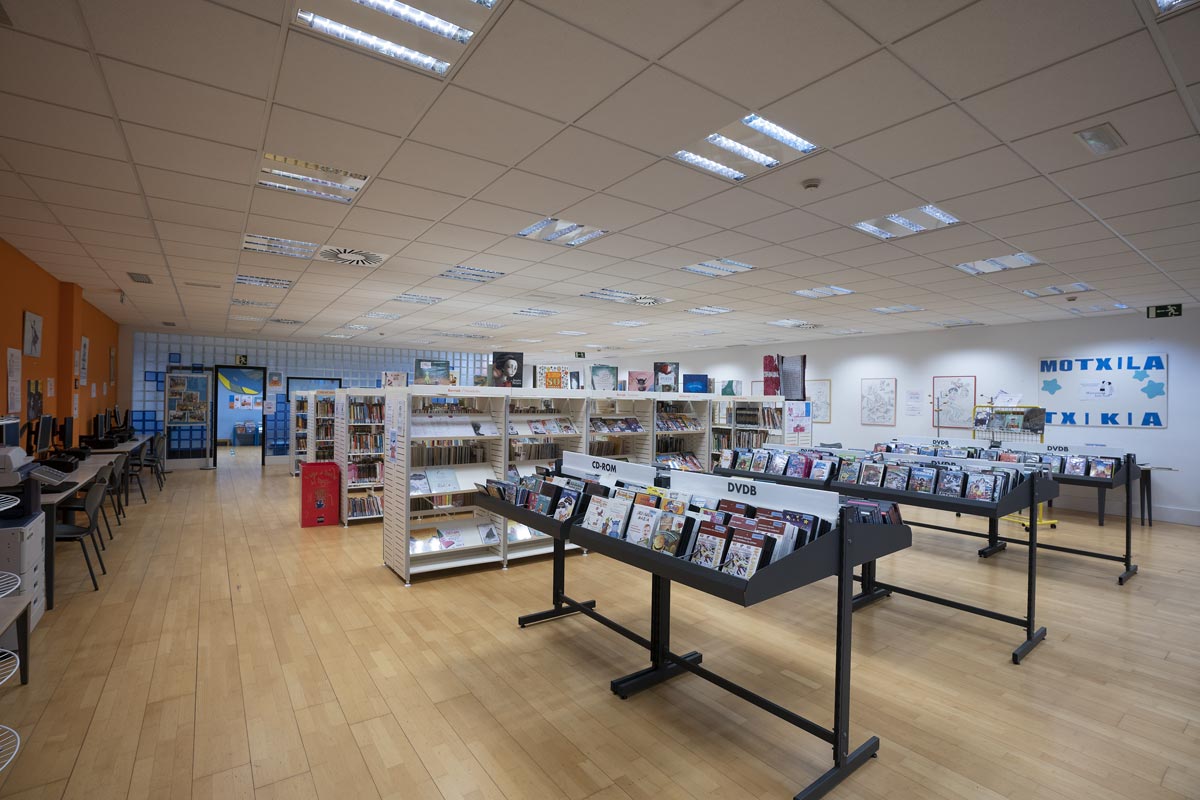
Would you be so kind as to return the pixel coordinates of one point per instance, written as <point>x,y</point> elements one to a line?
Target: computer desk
<point>125,448</point>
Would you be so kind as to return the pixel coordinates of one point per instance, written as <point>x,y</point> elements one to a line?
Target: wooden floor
<point>231,654</point>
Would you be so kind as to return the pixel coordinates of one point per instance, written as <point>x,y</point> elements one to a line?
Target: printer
<point>16,480</point>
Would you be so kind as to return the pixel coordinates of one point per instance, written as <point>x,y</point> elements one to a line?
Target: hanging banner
<point>1105,390</point>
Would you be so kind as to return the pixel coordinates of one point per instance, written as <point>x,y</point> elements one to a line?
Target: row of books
<point>324,452</point>
<point>743,438</point>
<point>436,540</point>
<point>363,442</point>
<point>541,427</point>
<point>445,452</point>
<point>359,413</point>
<point>369,472</point>
<point>617,425</point>
<point>766,416</point>
<point>433,481</point>
<point>301,406</point>
<point>442,405</point>
<point>677,422</point>
<point>324,407</point>
<point>685,461</point>
<point>324,430</point>
<point>1083,465</point>
<point>606,447</point>
<point>547,407</point>
<point>450,427</point>
<point>367,505</point>
<point>532,449</point>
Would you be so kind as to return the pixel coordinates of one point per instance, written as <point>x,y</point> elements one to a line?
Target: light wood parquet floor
<point>232,654</point>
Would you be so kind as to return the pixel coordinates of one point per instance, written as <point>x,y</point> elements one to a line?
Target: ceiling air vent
<point>139,277</point>
<point>169,324</point>
<point>348,255</point>
<point>203,285</point>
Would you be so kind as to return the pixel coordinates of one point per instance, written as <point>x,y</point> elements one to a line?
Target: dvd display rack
<point>358,450</point>
<point>320,425</point>
<point>612,432</point>
<point>682,432</point>
<point>832,555</point>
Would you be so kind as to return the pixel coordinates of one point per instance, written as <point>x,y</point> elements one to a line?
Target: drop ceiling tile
<point>1183,233</point>
<point>833,241</point>
<point>1132,169</point>
<point>1020,196</point>
<point>608,213</point>
<point>582,260</point>
<point>288,229</point>
<point>889,21</point>
<point>385,224</point>
<point>410,200</point>
<point>649,29</point>
<point>867,256</point>
<point>673,258</point>
<point>1117,74</point>
<point>480,126</point>
<point>997,166</point>
<point>436,253</point>
<point>1181,33</point>
<point>181,38</point>
<point>585,159</point>
<point>286,205</point>
<point>51,72</point>
<point>764,257</point>
<point>460,237</point>
<point>188,213</point>
<point>725,243</point>
<point>433,168</point>
<point>164,101</point>
<point>865,203</point>
<point>621,246</point>
<point>191,234</point>
<point>671,229</point>
<point>36,244</point>
<point>668,186</point>
<point>347,84</point>
<point>1058,237</point>
<point>529,192</point>
<point>194,189</point>
<point>865,97</point>
<point>1155,218</point>
<point>931,139</point>
<point>732,208</point>
<point>117,223</point>
<point>123,258</point>
<point>987,44</point>
<point>1155,121</point>
<point>529,56</point>
<point>121,240</point>
<point>489,217</point>
<point>836,176</point>
<point>739,55</point>
<point>1175,191</point>
<point>29,227</point>
<point>671,113</point>
<point>52,19</point>
<point>81,196</point>
<point>1055,216</point>
<point>55,126</point>
<point>12,186</point>
<point>174,151</point>
<point>787,226</point>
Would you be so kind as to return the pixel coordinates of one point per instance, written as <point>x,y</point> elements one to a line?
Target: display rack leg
<point>1033,634</point>
<point>994,544</point>
<point>1100,505</point>
<point>871,592</point>
<point>557,591</point>
<point>1130,567</point>
<point>661,666</point>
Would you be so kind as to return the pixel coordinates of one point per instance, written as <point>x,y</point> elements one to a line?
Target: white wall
<point>1002,357</point>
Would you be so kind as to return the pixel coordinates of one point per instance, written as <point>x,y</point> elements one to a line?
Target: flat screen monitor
<point>45,433</point>
<point>66,432</point>
<point>12,432</point>
<point>100,425</point>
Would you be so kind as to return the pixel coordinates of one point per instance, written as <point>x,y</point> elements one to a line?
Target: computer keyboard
<point>49,475</point>
<point>69,486</point>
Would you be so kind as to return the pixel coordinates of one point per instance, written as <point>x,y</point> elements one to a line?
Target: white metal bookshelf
<point>298,428</point>
<point>745,422</point>
<point>611,407</point>
<point>358,448</point>
<point>321,425</point>
<point>683,424</point>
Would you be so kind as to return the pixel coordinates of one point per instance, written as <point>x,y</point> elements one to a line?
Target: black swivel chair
<point>78,533</point>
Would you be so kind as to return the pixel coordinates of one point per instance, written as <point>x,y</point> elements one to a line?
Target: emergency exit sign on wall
<point>1173,310</point>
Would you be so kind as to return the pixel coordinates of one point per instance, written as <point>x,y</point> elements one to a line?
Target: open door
<point>240,399</point>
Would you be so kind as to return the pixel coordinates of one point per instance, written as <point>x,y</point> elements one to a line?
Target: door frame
<point>262,439</point>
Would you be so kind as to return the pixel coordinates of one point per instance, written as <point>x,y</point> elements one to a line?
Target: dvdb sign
<point>1104,389</point>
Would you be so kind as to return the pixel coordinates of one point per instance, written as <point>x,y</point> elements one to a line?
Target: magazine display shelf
<point>344,428</point>
<point>834,554</point>
<point>696,441</point>
<point>1034,490</point>
<point>10,663</point>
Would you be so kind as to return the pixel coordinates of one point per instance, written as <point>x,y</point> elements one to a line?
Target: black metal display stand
<point>834,554</point>
<point>1125,474</point>
<point>1036,489</point>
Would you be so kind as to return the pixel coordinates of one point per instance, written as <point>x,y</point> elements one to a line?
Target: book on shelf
<point>849,471</point>
<point>1075,465</point>
<point>798,465</point>
<point>607,515</point>
<point>643,523</point>
<point>777,464</point>
<point>442,480</point>
<point>1099,467</point>
<point>670,534</point>
<point>368,505</point>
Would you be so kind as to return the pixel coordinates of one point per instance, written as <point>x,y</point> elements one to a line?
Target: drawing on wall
<point>33,335</point>
<point>953,401</point>
<point>274,381</point>
<point>877,401</point>
<point>820,392</point>
<point>83,361</point>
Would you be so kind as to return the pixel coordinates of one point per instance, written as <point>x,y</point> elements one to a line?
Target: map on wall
<point>877,401</point>
<point>953,401</point>
<point>820,392</point>
<point>1104,390</point>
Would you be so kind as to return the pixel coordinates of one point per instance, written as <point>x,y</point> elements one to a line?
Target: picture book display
<point>639,381</point>
<point>666,376</point>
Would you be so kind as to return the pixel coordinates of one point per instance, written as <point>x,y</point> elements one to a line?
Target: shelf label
<point>771,495</point>
<point>606,470</point>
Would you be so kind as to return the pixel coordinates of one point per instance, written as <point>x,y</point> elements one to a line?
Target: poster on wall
<point>877,401</point>
<point>187,399</point>
<point>953,401</point>
<point>83,361</point>
<point>429,372</point>
<point>913,404</point>
<point>391,379</point>
<point>639,380</point>
<point>666,376</point>
<point>729,388</point>
<point>50,387</point>
<point>33,399</point>
<point>32,337</point>
<point>770,379</point>
<point>797,422</point>
<point>507,368</point>
<point>575,379</point>
<point>791,376</point>
<point>819,393</point>
<point>604,377</point>
<point>1104,390</point>
<point>695,383</point>
<point>550,376</point>
<point>14,381</point>
<point>274,381</point>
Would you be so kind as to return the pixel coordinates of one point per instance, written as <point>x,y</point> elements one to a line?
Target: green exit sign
<point>580,354</point>
<point>1173,310</point>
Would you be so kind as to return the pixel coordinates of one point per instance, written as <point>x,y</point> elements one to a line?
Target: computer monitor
<point>66,432</point>
<point>45,433</point>
<point>100,425</point>
<point>12,432</point>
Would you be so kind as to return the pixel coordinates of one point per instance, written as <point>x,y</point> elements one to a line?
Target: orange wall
<point>66,316</point>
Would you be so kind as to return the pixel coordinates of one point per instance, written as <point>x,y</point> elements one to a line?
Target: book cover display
<point>695,383</point>
<point>550,376</point>
<point>603,377</point>
<point>430,372</point>
<point>507,368</point>
<point>666,376</point>
<point>729,388</point>
<point>640,381</point>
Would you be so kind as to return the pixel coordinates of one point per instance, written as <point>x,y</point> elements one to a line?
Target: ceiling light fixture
<point>241,318</point>
<point>629,323</point>
<point>561,232</point>
<point>955,323</point>
<point>269,283</point>
<point>382,315</point>
<point>338,335</point>
<point>709,310</point>
<point>705,332</point>
<point>908,222</point>
<point>294,248</point>
<point>794,323</point>
<point>1049,291</point>
<point>459,335</point>
<point>491,325</point>
<point>843,332</point>
<point>1101,140</point>
<point>420,19</point>
<point>295,176</point>
<point>283,187</point>
<point>535,312</point>
<point>357,327</point>
<point>417,298</point>
<point>587,237</point>
<point>285,321</point>
<point>352,180</point>
<point>717,268</point>
<point>998,264</point>
<point>572,333</point>
<point>238,301</point>
<point>373,43</point>
<point>823,291</point>
<point>689,157</point>
<point>739,149</point>
<point>779,133</point>
<point>471,274</point>
<point>900,309</point>
<point>529,341</point>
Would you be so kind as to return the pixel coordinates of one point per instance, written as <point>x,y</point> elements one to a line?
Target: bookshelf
<point>745,423</point>
<point>612,410</point>
<point>321,426</point>
<point>358,442</point>
<point>298,428</point>
<point>682,425</point>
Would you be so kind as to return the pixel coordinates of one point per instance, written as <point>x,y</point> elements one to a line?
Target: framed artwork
<point>820,392</point>
<point>877,401</point>
<point>953,401</point>
<point>84,346</point>
<point>33,335</point>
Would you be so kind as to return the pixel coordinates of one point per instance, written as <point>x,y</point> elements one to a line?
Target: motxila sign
<point>1105,390</point>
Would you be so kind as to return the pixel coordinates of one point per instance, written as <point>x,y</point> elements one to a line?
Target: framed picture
<point>33,335</point>
<point>877,401</point>
<point>953,401</point>
<point>820,392</point>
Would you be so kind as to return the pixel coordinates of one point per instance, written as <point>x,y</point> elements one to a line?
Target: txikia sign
<point>1105,390</point>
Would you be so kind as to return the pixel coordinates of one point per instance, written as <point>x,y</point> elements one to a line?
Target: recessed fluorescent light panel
<point>1001,264</point>
<point>717,268</point>
<point>308,178</point>
<point>906,223</point>
<point>238,301</point>
<point>459,335</point>
<point>901,309</point>
<point>268,283</point>
<point>794,323</point>
<point>491,325</point>
<point>643,339</point>
<point>367,41</point>
<point>285,321</point>
<point>382,315</point>
<point>709,310</point>
<point>629,323</point>
<point>1099,308</point>
<point>572,333</point>
<point>357,327</point>
<point>419,19</point>
<point>529,341</point>
<point>823,291</point>
<point>471,274</point>
<point>843,332</point>
<point>241,318</point>
<point>1051,291</point>
<point>705,332</point>
<point>420,299</point>
<point>748,147</point>
<point>1165,6</point>
<point>535,312</point>
<point>561,231</point>
<point>293,248</point>
<point>1101,140</point>
<point>338,335</point>
<point>955,323</point>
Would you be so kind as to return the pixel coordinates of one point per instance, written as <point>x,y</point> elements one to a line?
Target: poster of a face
<point>640,381</point>
<point>666,376</point>
<point>507,368</point>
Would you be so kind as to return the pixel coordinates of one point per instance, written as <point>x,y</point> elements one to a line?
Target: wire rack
<point>9,583</point>
<point>7,501</point>
<point>1008,423</point>
<point>10,743</point>
<point>10,662</point>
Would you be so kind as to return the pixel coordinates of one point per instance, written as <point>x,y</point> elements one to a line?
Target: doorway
<point>240,399</point>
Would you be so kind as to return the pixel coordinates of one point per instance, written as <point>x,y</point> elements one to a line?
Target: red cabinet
<point>320,487</point>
